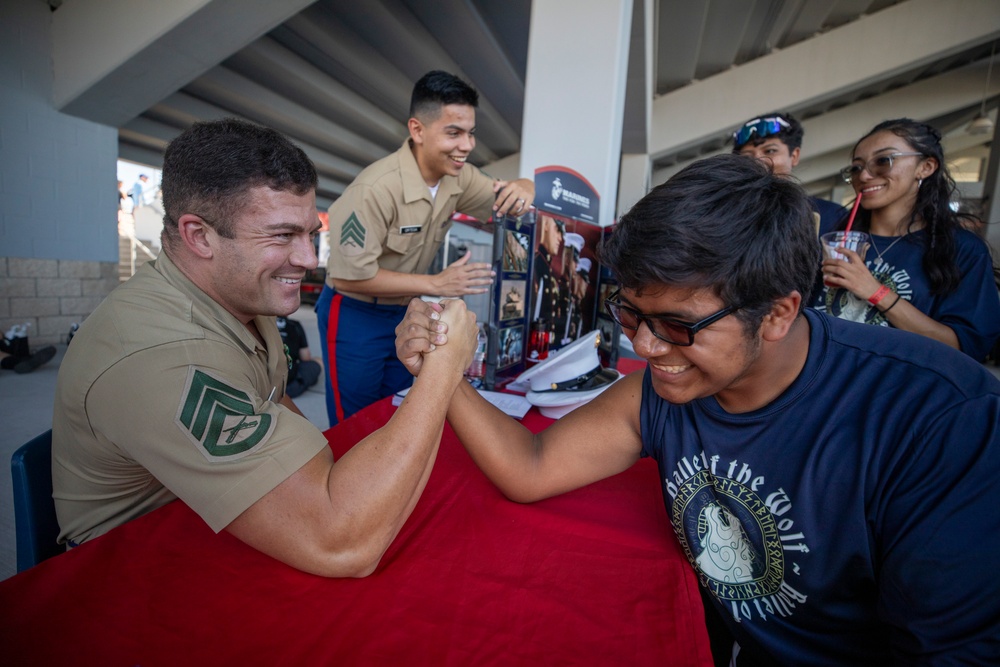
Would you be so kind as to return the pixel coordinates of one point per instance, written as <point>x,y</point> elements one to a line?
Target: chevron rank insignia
<point>220,419</point>
<point>352,237</point>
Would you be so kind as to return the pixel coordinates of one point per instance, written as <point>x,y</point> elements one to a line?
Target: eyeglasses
<point>762,127</point>
<point>665,328</point>
<point>880,165</point>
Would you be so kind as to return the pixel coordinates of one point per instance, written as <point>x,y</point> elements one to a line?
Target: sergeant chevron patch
<point>220,419</point>
<point>352,237</point>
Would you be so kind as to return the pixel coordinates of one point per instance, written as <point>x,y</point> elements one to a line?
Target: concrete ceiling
<point>336,76</point>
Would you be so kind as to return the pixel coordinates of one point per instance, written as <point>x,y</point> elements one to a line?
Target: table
<point>593,577</point>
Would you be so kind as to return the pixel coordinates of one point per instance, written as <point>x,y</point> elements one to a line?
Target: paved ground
<point>27,411</point>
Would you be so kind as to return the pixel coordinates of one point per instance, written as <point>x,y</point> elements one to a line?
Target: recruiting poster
<point>547,292</point>
<point>564,279</point>
<point>563,192</point>
<point>564,262</point>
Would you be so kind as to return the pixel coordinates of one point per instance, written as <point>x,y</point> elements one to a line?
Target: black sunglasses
<point>665,328</point>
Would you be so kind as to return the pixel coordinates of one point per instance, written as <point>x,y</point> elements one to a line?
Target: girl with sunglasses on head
<point>923,271</point>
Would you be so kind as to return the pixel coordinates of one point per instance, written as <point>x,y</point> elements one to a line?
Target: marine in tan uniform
<point>175,386</point>
<point>385,231</point>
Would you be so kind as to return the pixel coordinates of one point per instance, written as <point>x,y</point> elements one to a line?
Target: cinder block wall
<point>58,209</point>
<point>50,295</point>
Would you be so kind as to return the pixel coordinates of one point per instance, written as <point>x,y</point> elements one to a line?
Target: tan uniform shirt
<point>162,395</point>
<point>387,219</point>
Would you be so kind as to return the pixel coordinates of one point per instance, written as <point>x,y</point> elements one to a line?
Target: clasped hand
<point>447,329</point>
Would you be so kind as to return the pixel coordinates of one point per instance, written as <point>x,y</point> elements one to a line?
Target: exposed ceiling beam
<point>933,29</point>
<point>349,58</point>
<point>343,54</point>
<point>829,137</point>
<point>680,25</point>
<point>252,100</point>
<point>481,57</point>
<point>286,73</point>
<point>113,59</point>
<point>724,33</point>
<point>408,45</point>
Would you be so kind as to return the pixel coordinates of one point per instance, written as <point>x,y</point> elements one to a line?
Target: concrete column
<point>575,91</point>
<point>991,193</point>
<point>636,171</point>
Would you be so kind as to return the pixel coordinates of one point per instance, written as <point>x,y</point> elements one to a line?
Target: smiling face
<point>260,271</point>
<point>442,144</point>
<point>895,191</point>
<point>775,153</point>
<point>722,362</point>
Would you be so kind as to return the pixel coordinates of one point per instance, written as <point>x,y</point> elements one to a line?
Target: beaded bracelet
<point>878,295</point>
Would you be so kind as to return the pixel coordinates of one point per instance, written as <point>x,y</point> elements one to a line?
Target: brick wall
<point>51,294</point>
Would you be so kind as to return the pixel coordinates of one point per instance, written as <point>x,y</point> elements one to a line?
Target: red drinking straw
<point>850,220</point>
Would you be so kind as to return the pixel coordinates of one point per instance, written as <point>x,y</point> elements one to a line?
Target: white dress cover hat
<point>574,241</point>
<point>569,378</point>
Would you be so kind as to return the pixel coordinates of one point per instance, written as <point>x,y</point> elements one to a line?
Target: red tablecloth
<point>593,577</point>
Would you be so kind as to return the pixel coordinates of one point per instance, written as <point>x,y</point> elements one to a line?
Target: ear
<point>416,129</point>
<point>196,235</point>
<point>783,313</point>
<point>795,154</point>
<point>927,167</point>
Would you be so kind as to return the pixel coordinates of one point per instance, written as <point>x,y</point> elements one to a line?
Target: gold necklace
<point>879,261</point>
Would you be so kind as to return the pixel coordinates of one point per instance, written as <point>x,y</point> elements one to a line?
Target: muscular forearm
<point>337,519</point>
<point>403,453</point>
<point>593,442</point>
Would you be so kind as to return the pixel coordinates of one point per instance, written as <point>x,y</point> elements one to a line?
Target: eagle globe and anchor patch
<point>220,419</point>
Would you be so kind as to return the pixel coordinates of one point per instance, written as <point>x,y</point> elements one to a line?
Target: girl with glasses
<point>923,271</point>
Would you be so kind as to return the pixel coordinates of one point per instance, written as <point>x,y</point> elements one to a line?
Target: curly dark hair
<point>933,205</point>
<point>726,223</point>
<point>209,169</point>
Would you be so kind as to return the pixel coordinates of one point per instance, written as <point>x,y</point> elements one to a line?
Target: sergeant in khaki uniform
<point>385,231</point>
<point>175,386</point>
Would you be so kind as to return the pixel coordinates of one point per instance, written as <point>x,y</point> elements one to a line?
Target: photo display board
<point>564,280</point>
<point>507,328</point>
<point>549,288</point>
<point>566,274</point>
<point>610,331</point>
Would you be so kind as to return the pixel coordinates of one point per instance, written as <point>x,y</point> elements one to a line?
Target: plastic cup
<point>834,242</point>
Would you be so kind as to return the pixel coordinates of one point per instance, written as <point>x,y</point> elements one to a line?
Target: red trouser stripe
<point>331,346</point>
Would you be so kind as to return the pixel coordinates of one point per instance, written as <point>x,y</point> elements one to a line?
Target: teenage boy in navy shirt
<point>776,140</point>
<point>833,485</point>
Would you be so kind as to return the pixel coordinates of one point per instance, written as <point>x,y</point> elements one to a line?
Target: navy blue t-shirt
<point>855,520</point>
<point>972,310</point>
